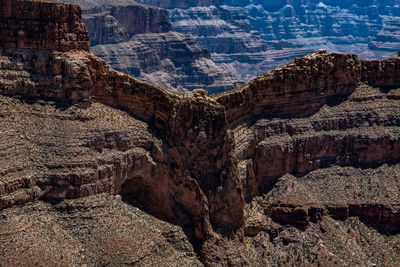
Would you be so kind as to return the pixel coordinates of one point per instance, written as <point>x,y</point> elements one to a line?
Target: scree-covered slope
<point>298,167</point>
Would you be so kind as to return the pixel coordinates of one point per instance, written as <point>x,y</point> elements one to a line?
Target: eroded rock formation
<point>139,40</point>
<point>117,21</point>
<point>388,38</point>
<point>284,169</point>
<point>248,38</point>
<point>181,4</point>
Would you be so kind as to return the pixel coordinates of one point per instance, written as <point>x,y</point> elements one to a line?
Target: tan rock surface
<point>139,40</point>
<point>298,167</point>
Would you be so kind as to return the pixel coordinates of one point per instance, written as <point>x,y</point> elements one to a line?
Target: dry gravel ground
<point>94,231</point>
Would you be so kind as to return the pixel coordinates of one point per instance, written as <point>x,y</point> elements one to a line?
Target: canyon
<point>139,40</point>
<point>249,37</point>
<point>300,166</point>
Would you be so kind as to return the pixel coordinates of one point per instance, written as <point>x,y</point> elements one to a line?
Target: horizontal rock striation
<point>228,35</point>
<point>312,144</point>
<point>147,171</point>
<point>305,84</point>
<point>181,4</point>
<point>251,37</point>
<point>170,60</point>
<point>388,39</point>
<point>315,138</point>
<point>384,217</point>
<point>116,21</point>
<point>138,40</point>
<point>20,27</point>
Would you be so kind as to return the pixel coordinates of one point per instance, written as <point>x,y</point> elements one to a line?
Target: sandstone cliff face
<point>287,29</point>
<point>116,21</point>
<point>138,40</point>
<point>298,88</point>
<point>208,189</point>
<point>281,170</point>
<point>170,60</point>
<point>20,27</point>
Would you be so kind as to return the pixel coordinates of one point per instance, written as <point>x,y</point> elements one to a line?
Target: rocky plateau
<point>299,167</point>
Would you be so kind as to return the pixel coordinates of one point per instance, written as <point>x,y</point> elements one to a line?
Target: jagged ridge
<point>193,159</point>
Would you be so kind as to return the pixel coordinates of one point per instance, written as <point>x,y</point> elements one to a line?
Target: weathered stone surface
<point>20,27</point>
<point>285,165</point>
<point>90,231</point>
<point>79,76</point>
<point>388,39</point>
<point>170,60</point>
<point>300,87</point>
<point>327,233</point>
<point>138,40</point>
<point>181,4</point>
<point>236,30</point>
<point>116,21</point>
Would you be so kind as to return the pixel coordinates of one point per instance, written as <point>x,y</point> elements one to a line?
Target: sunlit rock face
<point>139,40</point>
<point>98,168</point>
<point>181,4</point>
<point>249,37</point>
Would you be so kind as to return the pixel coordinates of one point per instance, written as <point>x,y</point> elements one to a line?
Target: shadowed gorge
<point>301,165</point>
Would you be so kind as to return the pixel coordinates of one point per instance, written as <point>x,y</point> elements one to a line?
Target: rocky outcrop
<point>20,27</point>
<point>385,218</point>
<point>138,40</point>
<point>317,142</point>
<point>201,192</point>
<point>113,22</point>
<point>298,88</point>
<point>267,167</point>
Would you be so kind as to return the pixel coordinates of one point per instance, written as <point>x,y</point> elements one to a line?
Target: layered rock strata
<point>282,166</point>
<point>21,28</point>
<point>388,39</point>
<point>182,4</point>
<point>139,40</point>
<point>195,160</point>
<point>236,30</point>
<point>117,21</point>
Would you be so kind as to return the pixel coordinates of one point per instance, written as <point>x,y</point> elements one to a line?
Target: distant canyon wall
<point>250,37</point>
<point>139,40</point>
<point>73,127</point>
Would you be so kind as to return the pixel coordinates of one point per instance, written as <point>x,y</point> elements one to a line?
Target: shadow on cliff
<point>60,104</point>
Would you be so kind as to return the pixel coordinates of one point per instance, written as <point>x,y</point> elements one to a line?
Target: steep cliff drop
<point>250,37</point>
<point>139,40</point>
<point>299,166</point>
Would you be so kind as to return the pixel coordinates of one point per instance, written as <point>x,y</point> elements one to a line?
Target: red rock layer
<point>383,217</point>
<point>182,158</point>
<point>305,84</point>
<point>199,165</point>
<point>42,25</point>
